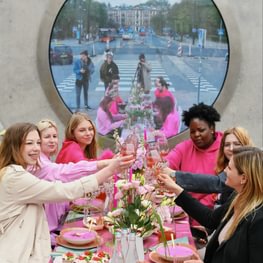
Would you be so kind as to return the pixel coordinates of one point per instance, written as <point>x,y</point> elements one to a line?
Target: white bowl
<point>78,235</point>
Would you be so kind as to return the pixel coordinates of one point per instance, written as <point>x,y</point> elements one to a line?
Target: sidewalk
<point>72,42</point>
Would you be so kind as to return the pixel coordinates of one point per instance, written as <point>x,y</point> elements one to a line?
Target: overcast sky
<point>131,2</point>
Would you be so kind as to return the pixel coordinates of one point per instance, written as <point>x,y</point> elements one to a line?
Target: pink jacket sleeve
<point>175,157</point>
<point>66,172</point>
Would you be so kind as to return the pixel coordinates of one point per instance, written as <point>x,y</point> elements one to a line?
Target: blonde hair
<point>248,161</point>
<point>13,143</point>
<point>242,136</point>
<point>91,150</point>
<point>46,124</point>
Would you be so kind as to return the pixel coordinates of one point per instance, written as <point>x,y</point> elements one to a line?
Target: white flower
<point>146,203</point>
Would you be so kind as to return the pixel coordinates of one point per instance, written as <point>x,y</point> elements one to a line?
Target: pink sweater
<point>185,156</point>
<point>165,93</point>
<point>71,152</point>
<point>105,125</point>
<point>171,124</point>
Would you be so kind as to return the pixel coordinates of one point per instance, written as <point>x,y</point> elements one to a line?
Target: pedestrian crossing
<point>194,77</point>
<point>127,69</point>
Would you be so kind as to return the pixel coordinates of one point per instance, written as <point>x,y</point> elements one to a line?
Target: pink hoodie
<point>165,93</point>
<point>171,124</point>
<point>71,152</point>
<point>185,156</point>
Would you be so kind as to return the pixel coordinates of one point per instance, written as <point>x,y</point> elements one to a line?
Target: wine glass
<point>87,208</point>
<point>163,147</point>
<point>129,147</point>
<point>152,157</point>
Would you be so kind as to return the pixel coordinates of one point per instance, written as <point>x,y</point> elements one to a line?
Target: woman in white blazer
<point>24,233</point>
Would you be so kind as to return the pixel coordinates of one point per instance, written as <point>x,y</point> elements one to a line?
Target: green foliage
<point>189,14</point>
<point>93,15</point>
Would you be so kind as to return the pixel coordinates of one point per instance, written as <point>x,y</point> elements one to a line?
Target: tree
<point>158,23</point>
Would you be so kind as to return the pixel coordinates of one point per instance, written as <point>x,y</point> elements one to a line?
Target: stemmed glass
<point>87,207</point>
<point>129,147</point>
<point>163,148</point>
<point>108,187</point>
<point>152,158</point>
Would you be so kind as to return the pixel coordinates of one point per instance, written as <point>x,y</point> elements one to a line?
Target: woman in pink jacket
<point>167,117</point>
<point>199,153</point>
<point>80,141</point>
<point>106,121</point>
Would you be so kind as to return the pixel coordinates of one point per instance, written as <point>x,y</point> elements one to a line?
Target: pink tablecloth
<point>181,228</point>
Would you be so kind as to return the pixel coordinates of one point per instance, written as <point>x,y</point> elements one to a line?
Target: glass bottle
<point>132,254</point>
<point>117,255</point>
<point>124,241</point>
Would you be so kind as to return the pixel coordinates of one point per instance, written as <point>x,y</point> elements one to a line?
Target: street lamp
<point>80,24</point>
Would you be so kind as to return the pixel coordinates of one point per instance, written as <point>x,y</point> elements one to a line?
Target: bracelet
<point>173,174</point>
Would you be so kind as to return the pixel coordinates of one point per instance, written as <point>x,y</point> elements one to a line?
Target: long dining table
<point>180,227</point>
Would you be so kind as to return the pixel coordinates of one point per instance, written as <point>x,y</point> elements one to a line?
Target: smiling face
<point>84,133</point>
<point>231,142</point>
<point>30,149</point>
<point>234,179</point>
<point>49,141</point>
<point>201,134</point>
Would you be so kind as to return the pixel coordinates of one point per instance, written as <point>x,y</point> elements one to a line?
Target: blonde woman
<point>239,222</point>
<point>51,171</point>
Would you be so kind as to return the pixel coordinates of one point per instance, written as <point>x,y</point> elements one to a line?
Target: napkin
<point>59,250</point>
<point>73,216</point>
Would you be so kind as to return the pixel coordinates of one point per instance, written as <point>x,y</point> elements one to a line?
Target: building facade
<point>134,18</point>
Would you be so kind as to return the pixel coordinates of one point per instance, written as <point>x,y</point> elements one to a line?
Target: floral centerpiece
<point>135,209</point>
<point>139,106</point>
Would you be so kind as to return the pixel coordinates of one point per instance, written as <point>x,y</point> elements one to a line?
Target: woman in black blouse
<point>238,222</point>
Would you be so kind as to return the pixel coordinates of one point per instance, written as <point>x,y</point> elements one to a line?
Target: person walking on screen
<point>83,68</point>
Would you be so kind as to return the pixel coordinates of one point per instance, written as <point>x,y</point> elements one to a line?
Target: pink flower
<point>141,190</point>
<point>118,195</point>
<point>149,188</point>
<point>126,186</point>
<point>117,212</point>
<point>136,183</point>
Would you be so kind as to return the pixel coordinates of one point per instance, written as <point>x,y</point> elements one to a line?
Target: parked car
<point>127,36</point>
<point>61,54</point>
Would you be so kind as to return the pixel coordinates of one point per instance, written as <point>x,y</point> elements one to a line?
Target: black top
<point>245,246</point>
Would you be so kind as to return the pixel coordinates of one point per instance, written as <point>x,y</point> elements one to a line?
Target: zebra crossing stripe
<point>127,69</point>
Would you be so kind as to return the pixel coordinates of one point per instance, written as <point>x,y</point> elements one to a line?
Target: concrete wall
<point>28,93</point>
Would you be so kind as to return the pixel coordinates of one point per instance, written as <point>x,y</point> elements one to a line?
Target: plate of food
<point>95,243</point>
<point>179,216</point>
<point>86,256</point>
<point>78,235</point>
<point>94,223</point>
<point>94,205</point>
<point>181,253</point>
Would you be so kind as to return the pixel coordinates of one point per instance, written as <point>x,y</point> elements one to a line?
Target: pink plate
<point>178,252</point>
<point>78,235</point>
<point>176,210</point>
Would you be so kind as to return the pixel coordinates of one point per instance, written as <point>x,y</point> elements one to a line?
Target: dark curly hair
<point>203,112</point>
